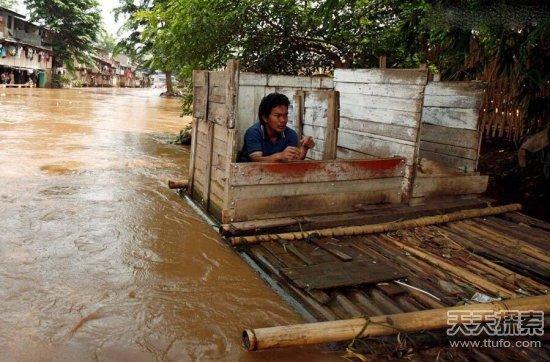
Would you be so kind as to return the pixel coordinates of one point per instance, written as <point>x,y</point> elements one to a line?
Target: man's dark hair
<point>269,102</point>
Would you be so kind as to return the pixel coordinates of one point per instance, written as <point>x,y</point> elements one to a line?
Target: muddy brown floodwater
<point>98,259</point>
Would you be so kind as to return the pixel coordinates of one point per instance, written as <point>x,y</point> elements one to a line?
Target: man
<point>270,140</point>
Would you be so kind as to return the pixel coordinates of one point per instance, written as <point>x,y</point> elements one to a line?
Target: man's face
<point>278,118</point>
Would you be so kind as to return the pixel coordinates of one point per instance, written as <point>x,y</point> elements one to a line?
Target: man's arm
<point>289,154</point>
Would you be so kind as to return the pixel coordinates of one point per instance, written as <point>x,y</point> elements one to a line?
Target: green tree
<point>74,23</point>
<point>107,41</point>
<point>9,4</point>
<point>151,40</point>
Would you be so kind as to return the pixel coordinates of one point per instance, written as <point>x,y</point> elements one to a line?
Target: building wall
<point>23,62</point>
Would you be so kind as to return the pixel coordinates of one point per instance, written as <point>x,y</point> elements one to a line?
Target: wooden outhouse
<point>382,136</point>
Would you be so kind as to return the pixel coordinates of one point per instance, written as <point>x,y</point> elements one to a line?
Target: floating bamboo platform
<point>503,256</point>
<point>385,219</point>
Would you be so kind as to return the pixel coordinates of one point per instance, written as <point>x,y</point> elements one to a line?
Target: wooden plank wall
<point>450,132</point>
<point>271,190</point>
<point>450,138</point>
<point>253,87</point>
<point>212,149</point>
<point>380,111</point>
<point>320,119</point>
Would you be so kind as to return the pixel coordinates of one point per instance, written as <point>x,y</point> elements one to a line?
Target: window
<point>10,20</point>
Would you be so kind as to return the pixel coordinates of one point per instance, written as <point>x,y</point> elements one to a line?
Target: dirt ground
<point>508,182</point>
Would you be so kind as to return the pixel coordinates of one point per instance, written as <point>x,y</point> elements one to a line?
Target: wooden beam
<point>193,156</point>
<point>299,99</point>
<point>314,171</point>
<point>232,91</point>
<point>384,76</point>
<point>382,62</point>
<point>452,185</point>
<point>333,122</point>
<point>208,169</point>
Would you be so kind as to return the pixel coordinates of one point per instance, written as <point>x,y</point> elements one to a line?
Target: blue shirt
<point>256,140</point>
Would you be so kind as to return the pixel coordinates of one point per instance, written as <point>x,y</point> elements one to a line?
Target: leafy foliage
<point>106,41</point>
<point>75,25</point>
<point>502,42</point>
<point>9,4</point>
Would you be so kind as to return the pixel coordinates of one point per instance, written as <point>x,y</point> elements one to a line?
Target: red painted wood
<point>314,171</point>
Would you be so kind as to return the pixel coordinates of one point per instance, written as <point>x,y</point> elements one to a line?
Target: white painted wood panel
<point>451,117</point>
<point>384,76</point>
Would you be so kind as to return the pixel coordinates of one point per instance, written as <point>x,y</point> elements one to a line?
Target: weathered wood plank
<point>458,163</point>
<point>218,113</point>
<point>200,93</point>
<point>322,82</point>
<point>288,81</point>
<point>453,94</point>
<point>232,101</point>
<point>338,274</point>
<point>305,205</point>
<point>451,117</point>
<point>315,154</point>
<point>318,171</point>
<point>316,99</point>
<point>376,145</point>
<point>192,155</point>
<point>451,136</point>
<point>466,88</point>
<point>454,101</point>
<point>220,133</point>
<point>382,129</point>
<point>385,76</point>
<point>403,91</point>
<point>199,78</point>
<point>246,113</point>
<point>208,169</point>
<point>231,157</point>
<point>347,154</point>
<point>381,102</point>
<point>379,115</point>
<point>315,117</point>
<point>333,123</point>
<point>248,79</point>
<point>449,150</point>
<point>334,247</point>
<point>218,78</point>
<point>453,185</point>
<point>314,131</point>
<point>312,188</point>
<point>298,120</point>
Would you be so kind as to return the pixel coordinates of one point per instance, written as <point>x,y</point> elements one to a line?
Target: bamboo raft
<point>501,256</point>
<point>385,221</point>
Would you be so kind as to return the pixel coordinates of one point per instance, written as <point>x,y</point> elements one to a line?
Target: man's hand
<point>307,142</point>
<point>289,154</point>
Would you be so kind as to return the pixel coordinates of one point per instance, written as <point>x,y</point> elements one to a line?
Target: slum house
<point>385,220</point>
<point>101,72</point>
<point>24,51</point>
<point>129,75</point>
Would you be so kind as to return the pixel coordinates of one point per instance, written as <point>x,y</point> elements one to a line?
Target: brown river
<point>99,260</point>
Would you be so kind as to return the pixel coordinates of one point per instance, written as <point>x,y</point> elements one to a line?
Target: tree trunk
<point>169,86</point>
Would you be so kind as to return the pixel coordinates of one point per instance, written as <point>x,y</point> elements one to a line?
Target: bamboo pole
<point>180,184</point>
<point>344,330</point>
<point>459,272</point>
<point>377,228</point>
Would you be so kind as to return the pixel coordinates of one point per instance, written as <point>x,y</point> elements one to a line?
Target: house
<point>23,50</point>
